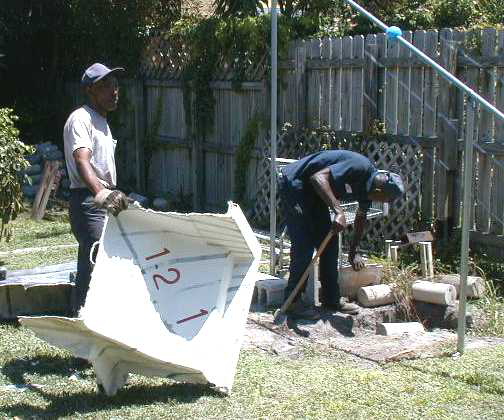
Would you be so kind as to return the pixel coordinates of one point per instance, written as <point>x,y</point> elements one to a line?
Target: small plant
<point>12,163</point>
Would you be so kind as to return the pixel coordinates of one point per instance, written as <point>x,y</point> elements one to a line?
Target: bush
<point>12,163</point>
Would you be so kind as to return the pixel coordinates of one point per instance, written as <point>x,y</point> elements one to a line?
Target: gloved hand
<point>339,222</point>
<point>356,261</point>
<point>113,201</point>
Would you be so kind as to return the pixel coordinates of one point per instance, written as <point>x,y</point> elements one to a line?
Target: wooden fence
<point>345,85</point>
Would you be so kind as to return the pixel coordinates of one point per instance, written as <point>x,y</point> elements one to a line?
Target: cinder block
<point>399,328</point>
<point>475,285</point>
<point>269,290</point>
<point>39,299</point>
<point>351,281</point>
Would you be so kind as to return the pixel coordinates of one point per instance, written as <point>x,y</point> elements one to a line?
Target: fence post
<point>447,132</point>
<point>301,89</point>
<point>370,112</point>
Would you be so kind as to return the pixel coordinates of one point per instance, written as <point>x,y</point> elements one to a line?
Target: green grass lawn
<point>28,233</point>
<point>319,384</point>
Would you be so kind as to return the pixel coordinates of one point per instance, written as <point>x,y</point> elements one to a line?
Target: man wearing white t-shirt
<point>89,155</point>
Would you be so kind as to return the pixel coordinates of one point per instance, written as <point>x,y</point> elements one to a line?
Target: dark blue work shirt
<point>351,175</point>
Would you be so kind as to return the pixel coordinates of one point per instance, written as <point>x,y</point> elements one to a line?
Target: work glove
<point>339,222</point>
<point>356,261</point>
<point>113,201</point>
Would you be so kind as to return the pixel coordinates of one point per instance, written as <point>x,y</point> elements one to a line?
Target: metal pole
<point>445,73</point>
<point>273,189</point>
<point>466,218</point>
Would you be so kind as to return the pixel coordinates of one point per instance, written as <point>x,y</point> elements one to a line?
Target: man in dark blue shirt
<point>310,187</point>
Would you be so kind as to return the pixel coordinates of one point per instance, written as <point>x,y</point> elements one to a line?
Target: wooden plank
<point>391,82</point>
<point>346,87</point>
<point>325,85</point>
<point>301,83</point>
<point>381,43</point>
<point>324,64</point>
<point>472,79</point>
<point>370,111</point>
<point>430,82</point>
<point>45,188</point>
<point>499,94</point>
<point>314,87</point>
<point>446,131</point>
<point>486,134</point>
<point>427,188</point>
<point>497,201</point>
<point>403,88</point>
<point>416,90</point>
<point>357,85</point>
<point>336,53</point>
<point>459,98</point>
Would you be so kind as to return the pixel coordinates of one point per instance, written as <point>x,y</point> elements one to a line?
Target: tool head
<point>279,318</point>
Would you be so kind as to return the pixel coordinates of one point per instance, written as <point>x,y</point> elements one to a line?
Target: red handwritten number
<point>157,277</point>
<point>203,312</point>
<point>164,252</point>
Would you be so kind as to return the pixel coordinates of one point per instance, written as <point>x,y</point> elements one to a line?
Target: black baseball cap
<point>97,72</point>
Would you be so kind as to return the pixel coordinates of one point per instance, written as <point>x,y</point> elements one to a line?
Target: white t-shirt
<point>87,128</point>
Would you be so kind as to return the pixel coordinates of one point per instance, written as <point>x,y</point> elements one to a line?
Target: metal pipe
<point>466,219</point>
<point>273,129</point>
<point>445,73</point>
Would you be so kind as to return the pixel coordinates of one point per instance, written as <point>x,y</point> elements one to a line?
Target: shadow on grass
<point>62,402</point>
<point>60,405</point>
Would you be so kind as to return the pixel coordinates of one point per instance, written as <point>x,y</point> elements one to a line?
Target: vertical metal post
<point>466,220</point>
<point>273,189</point>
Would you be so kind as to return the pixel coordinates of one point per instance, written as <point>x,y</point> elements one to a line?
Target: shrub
<point>12,163</point>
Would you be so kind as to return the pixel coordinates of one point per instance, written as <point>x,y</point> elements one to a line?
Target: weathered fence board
<point>342,84</point>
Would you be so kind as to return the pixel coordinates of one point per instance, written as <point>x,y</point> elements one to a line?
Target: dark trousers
<point>308,222</point>
<point>87,222</point>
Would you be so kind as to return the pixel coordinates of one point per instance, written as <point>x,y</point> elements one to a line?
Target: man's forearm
<point>320,183</point>
<point>88,175</point>
<point>359,228</point>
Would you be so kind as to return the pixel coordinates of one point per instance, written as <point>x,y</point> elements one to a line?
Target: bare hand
<point>356,261</point>
<point>339,222</point>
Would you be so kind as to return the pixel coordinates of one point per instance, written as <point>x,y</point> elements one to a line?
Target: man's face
<point>105,94</point>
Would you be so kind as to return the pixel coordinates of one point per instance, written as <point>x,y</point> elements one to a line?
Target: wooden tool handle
<point>303,278</point>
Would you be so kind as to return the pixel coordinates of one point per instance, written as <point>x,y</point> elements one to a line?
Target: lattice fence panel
<point>407,157</point>
<point>165,57</point>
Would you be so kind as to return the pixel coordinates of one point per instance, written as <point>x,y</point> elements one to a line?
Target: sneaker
<point>299,310</point>
<point>342,306</point>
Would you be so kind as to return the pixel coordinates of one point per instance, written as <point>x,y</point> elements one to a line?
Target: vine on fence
<point>243,156</point>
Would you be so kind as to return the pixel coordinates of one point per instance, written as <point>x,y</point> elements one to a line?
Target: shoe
<point>342,306</point>
<point>299,310</point>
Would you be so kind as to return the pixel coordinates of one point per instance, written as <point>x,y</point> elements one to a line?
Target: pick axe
<point>280,317</point>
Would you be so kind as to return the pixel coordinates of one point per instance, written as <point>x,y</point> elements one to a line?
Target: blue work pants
<point>87,222</point>
<point>308,222</point>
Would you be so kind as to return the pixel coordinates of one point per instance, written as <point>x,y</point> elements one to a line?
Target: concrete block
<point>475,285</point>
<point>269,290</point>
<point>440,316</point>
<point>438,293</point>
<point>351,281</point>
<point>399,328</point>
<point>379,295</point>
<point>38,300</point>
<point>5,312</point>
